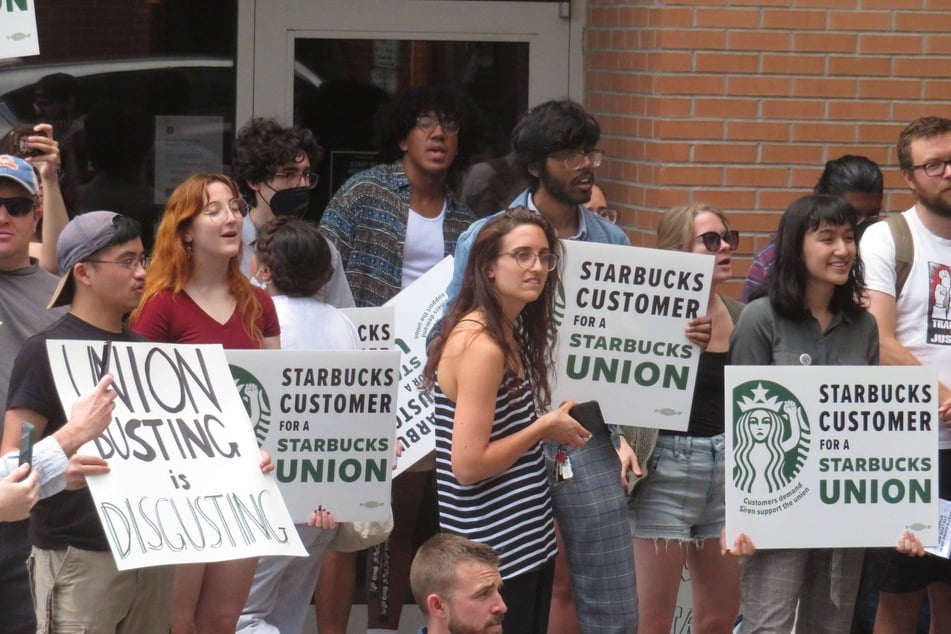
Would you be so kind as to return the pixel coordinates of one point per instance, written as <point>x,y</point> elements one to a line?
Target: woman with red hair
<point>195,293</point>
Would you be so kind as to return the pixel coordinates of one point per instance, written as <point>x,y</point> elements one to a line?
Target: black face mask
<point>290,202</point>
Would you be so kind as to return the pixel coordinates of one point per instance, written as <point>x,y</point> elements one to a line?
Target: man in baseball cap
<point>103,264</point>
<point>25,288</point>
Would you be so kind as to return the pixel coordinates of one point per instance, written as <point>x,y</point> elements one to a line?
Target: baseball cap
<point>82,237</point>
<point>16,169</point>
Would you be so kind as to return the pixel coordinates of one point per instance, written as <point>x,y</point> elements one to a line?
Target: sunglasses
<point>19,206</point>
<point>712,240</point>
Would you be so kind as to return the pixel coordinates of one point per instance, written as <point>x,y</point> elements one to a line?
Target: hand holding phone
<point>589,415</point>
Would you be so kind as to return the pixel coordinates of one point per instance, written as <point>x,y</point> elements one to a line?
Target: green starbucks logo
<point>770,437</point>
<point>255,401</point>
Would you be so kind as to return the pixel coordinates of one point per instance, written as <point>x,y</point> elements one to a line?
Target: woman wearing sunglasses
<point>678,510</point>
<point>489,370</point>
<point>808,312</point>
<point>195,293</point>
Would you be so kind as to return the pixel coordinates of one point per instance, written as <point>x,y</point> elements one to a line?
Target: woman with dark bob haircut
<point>809,313</point>
<point>489,367</point>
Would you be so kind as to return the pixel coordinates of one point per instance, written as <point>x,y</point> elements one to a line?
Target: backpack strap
<point>904,250</point>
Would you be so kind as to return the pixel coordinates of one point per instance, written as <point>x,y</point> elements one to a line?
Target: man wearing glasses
<point>555,146</point>
<point>909,334</point>
<point>74,578</point>
<point>274,168</point>
<point>392,223</point>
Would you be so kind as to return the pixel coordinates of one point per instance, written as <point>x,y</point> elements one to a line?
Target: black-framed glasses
<point>216,210</point>
<point>712,240</point>
<point>18,205</point>
<point>130,262</point>
<point>293,178</point>
<point>526,258</point>
<point>427,122</point>
<point>934,167</point>
<point>576,160</point>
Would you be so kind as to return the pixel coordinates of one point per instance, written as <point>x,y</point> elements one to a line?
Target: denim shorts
<point>682,497</point>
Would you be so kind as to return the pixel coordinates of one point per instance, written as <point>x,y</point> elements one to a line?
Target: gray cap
<point>83,236</point>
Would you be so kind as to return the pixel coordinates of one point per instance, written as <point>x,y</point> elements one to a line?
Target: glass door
<point>328,65</point>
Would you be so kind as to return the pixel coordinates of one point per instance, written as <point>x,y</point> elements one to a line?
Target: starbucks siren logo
<point>255,401</point>
<point>770,437</point>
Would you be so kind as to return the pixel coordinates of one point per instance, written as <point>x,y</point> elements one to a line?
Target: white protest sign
<point>326,418</point>
<point>831,456</point>
<point>374,326</point>
<point>18,37</point>
<point>621,340</point>
<point>185,485</point>
<point>418,307</point>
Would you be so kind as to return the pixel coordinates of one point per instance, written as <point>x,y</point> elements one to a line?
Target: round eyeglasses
<point>427,122</point>
<point>216,210</point>
<point>526,258</point>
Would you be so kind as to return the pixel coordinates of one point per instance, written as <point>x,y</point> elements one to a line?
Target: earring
<point>188,250</point>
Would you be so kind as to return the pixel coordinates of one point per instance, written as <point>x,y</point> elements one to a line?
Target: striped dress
<point>510,511</point>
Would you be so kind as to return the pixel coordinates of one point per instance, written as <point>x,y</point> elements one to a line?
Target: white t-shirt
<point>922,319</point>
<point>425,246</point>
<point>310,324</point>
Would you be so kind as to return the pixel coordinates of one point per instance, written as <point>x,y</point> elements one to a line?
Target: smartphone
<point>106,358</point>
<point>19,138</point>
<point>27,436</point>
<point>589,415</point>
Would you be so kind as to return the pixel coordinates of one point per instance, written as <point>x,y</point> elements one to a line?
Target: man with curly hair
<point>392,223</point>
<point>274,168</point>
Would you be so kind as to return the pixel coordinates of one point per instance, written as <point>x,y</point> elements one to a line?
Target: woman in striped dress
<point>489,367</point>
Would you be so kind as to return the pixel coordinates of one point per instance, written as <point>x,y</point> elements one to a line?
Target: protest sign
<point>831,456</point>
<point>417,308</point>
<point>185,485</point>
<point>19,37</point>
<point>621,340</point>
<point>327,419</point>
<point>374,326</point>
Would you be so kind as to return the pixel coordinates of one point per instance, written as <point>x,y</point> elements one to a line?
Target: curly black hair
<point>396,119</point>
<point>264,145</point>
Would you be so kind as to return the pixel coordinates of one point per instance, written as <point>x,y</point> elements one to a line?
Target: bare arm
<point>55,217</point>
<point>471,372</point>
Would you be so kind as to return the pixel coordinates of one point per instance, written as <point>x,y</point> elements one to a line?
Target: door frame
<point>267,30</point>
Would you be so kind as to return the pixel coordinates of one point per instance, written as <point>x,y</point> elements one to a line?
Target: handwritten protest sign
<point>418,307</point>
<point>18,37</point>
<point>375,326</point>
<point>621,340</point>
<point>831,456</point>
<point>327,419</point>
<point>185,484</point>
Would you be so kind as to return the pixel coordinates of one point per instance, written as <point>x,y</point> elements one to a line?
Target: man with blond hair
<point>456,583</point>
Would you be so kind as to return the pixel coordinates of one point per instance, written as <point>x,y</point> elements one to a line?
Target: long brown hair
<point>172,265</point>
<point>534,328</point>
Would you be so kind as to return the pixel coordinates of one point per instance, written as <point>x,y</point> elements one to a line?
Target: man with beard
<point>456,583</point>
<point>392,223</point>
<point>555,146</point>
<point>909,335</point>
<point>273,166</point>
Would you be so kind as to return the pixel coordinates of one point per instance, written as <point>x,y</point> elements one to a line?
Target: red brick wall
<point>740,105</point>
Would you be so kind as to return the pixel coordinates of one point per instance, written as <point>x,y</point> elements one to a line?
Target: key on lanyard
<point>563,465</point>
